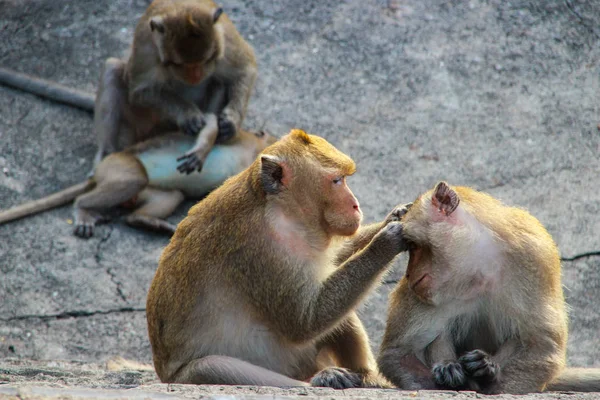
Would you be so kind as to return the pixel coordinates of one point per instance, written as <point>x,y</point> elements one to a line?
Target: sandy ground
<point>502,96</point>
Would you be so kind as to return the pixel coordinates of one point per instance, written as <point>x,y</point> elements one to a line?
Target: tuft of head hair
<point>323,151</point>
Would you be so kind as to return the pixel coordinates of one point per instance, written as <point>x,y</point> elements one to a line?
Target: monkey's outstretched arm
<point>47,89</point>
<point>326,303</point>
<point>358,241</point>
<point>54,200</point>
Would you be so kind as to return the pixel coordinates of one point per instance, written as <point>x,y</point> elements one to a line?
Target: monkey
<point>259,283</point>
<point>187,59</point>
<point>145,175</point>
<point>481,305</point>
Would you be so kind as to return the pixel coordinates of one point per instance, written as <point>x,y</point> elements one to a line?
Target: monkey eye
<point>338,180</point>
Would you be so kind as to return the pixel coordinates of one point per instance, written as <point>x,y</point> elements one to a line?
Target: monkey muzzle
<point>193,73</point>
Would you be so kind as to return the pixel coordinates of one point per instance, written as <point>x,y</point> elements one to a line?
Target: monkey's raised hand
<point>227,129</point>
<point>397,213</point>
<point>390,235</point>
<point>192,124</point>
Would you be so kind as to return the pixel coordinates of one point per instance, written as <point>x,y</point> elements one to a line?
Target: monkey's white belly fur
<point>233,332</point>
<point>161,163</point>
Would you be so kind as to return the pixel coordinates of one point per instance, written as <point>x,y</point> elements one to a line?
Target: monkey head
<point>304,177</point>
<point>189,43</point>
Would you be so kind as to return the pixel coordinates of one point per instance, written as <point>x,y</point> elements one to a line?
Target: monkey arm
<point>406,335</point>
<point>326,303</point>
<point>358,241</point>
<point>239,91</point>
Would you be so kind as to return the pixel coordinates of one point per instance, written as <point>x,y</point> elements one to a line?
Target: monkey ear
<point>444,198</point>
<point>272,174</point>
<point>157,24</point>
<point>217,14</point>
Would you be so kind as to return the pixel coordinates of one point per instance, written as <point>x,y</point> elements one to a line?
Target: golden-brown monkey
<point>248,292</point>
<point>187,59</point>
<point>146,175</point>
<point>481,305</point>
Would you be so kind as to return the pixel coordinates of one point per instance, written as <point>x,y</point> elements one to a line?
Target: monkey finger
<point>84,231</point>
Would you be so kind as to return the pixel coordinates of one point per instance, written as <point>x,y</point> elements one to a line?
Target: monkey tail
<point>46,203</point>
<point>47,89</point>
<point>576,380</point>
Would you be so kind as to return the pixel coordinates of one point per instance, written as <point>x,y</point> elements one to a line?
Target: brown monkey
<point>481,305</point>
<point>253,288</point>
<point>187,58</point>
<point>146,174</point>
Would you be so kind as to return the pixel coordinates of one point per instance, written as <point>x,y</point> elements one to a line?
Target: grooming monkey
<point>260,281</point>
<point>187,59</point>
<point>145,175</point>
<point>481,305</point>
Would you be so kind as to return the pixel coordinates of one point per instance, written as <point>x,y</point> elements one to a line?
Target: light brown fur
<point>481,305</point>
<point>187,59</point>
<point>247,292</point>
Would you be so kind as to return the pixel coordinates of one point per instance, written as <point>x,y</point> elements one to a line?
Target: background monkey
<point>186,58</point>
<point>481,305</point>
<point>247,292</point>
<point>146,174</point>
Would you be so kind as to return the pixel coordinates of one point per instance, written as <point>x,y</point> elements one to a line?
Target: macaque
<point>260,282</point>
<point>481,305</point>
<point>187,60</point>
<point>145,176</point>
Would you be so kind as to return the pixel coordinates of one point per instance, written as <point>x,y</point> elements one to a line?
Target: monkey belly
<point>161,166</point>
<point>235,334</point>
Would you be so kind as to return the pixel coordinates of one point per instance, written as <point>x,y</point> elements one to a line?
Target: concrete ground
<point>502,96</point>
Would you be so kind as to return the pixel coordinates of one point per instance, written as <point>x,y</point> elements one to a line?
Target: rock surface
<point>502,96</point>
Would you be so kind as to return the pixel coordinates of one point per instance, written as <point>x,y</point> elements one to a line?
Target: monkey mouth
<point>423,279</point>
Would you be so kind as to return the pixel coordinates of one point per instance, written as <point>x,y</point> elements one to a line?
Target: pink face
<point>342,212</point>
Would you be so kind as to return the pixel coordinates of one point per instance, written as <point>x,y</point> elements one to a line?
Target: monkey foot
<point>189,164</point>
<point>449,374</point>
<point>336,378</point>
<point>227,129</point>
<point>477,364</point>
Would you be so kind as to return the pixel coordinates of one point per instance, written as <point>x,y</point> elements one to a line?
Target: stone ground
<point>502,96</point>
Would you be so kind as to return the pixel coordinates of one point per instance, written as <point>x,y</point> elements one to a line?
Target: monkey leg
<point>110,103</point>
<point>223,370</point>
<point>156,205</point>
<point>119,178</point>
<point>349,346</point>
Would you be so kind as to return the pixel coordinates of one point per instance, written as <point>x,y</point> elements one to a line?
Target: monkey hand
<point>391,237</point>
<point>192,124</point>
<point>190,162</point>
<point>477,364</point>
<point>337,378</point>
<point>397,213</point>
<point>227,128</point>
<point>449,374</point>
